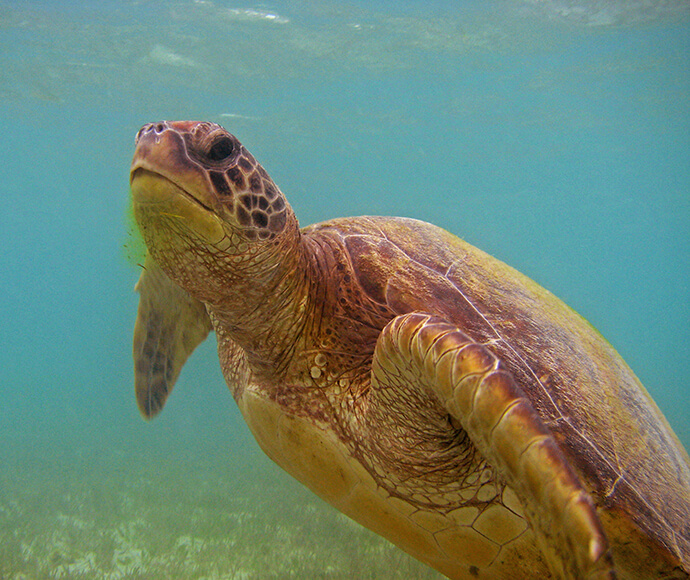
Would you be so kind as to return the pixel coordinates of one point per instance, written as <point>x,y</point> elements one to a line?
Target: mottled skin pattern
<point>420,386</point>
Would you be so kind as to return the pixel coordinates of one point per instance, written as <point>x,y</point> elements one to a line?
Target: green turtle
<point>420,386</point>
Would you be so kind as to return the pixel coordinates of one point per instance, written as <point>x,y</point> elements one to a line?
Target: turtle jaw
<point>159,202</point>
<point>181,235</point>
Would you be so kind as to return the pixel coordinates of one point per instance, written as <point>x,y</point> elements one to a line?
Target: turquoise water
<point>553,134</point>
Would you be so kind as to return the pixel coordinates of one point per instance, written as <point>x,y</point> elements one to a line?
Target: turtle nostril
<point>149,128</point>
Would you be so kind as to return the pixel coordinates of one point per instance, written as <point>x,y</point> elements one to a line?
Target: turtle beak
<point>160,150</point>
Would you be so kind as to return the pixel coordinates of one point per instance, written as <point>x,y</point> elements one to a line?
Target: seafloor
<point>81,512</point>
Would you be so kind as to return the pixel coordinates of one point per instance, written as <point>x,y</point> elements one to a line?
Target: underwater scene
<point>552,134</point>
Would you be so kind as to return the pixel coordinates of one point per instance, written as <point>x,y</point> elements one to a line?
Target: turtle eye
<point>221,149</point>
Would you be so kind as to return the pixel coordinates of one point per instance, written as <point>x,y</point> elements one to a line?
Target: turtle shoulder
<point>603,418</point>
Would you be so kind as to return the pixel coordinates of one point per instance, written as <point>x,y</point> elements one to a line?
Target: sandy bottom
<point>84,511</point>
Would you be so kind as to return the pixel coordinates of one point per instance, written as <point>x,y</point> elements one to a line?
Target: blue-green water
<point>552,134</point>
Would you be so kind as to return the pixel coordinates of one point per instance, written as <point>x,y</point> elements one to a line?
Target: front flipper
<point>170,325</point>
<point>499,419</point>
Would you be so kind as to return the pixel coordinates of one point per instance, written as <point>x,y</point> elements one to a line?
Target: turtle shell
<point>605,422</point>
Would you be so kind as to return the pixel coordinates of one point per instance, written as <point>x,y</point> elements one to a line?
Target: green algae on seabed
<point>110,514</point>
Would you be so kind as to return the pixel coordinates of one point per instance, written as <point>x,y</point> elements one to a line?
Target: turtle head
<point>201,199</point>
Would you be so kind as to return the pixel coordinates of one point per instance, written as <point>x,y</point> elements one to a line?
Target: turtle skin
<point>422,387</point>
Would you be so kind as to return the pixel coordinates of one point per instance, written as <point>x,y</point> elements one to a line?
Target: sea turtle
<point>423,388</point>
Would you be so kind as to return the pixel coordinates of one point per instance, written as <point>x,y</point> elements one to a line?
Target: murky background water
<point>552,134</point>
